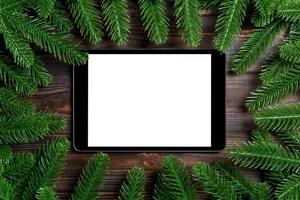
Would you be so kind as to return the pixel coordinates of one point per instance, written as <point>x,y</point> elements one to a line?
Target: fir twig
<point>289,188</point>
<point>153,13</point>
<point>87,18</point>
<point>255,46</point>
<point>281,118</point>
<point>7,191</point>
<point>232,14</point>
<point>91,178</point>
<point>46,193</point>
<point>50,160</point>
<point>133,187</point>
<point>117,20</point>
<point>177,179</point>
<point>189,21</point>
<point>213,183</point>
<point>160,189</point>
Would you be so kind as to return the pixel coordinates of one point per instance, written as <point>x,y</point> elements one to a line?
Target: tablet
<point>150,100</point>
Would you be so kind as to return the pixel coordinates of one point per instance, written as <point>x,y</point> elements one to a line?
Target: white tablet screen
<point>149,100</point>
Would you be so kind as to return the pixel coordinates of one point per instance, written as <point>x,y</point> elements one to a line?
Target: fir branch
<point>276,69</point>
<point>50,160</point>
<point>211,5</point>
<point>289,50</point>
<point>45,7</point>
<point>289,188</point>
<point>213,183</point>
<point>262,21</point>
<point>273,92</point>
<point>153,13</point>
<point>39,74</point>
<point>20,49</point>
<point>285,117</point>
<point>12,104</point>
<point>266,7</point>
<point>7,191</point>
<point>17,170</point>
<point>289,10</point>
<point>46,37</point>
<point>28,128</point>
<point>46,193</point>
<point>91,178</point>
<point>58,19</point>
<point>177,179</point>
<point>17,79</point>
<point>266,156</point>
<point>161,191</point>
<point>117,20</point>
<point>232,14</point>
<point>87,18</point>
<point>189,21</point>
<point>255,46</point>
<point>5,154</point>
<point>260,135</point>
<point>241,184</point>
<point>133,187</point>
<point>291,139</point>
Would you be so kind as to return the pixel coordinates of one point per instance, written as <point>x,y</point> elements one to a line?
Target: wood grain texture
<point>57,97</point>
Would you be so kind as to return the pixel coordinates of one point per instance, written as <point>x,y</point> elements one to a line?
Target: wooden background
<point>57,97</point>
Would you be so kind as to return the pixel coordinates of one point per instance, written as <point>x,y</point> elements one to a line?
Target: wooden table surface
<point>57,97</point>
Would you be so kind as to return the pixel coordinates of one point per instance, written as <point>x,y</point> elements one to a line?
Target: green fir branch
<point>291,139</point>
<point>58,19</point>
<point>241,184</point>
<point>229,22</point>
<point>177,180</point>
<point>87,18</point>
<point>258,43</point>
<point>161,191</point>
<point>266,7</point>
<point>213,183</point>
<point>266,156</point>
<point>273,92</point>
<point>289,50</point>
<point>134,186</point>
<point>276,69</point>
<point>262,21</point>
<point>289,188</point>
<point>285,117</point>
<point>12,104</point>
<point>49,161</point>
<point>7,191</point>
<point>155,21</point>
<point>289,10</point>
<point>39,73</point>
<point>117,21</point>
<point>46,193</point>
<point>210,5</point>
<point>45,7</point>
<point>29,127</point>
<point>189,21</point>
<point>5,154</point>
<point>91,178</point>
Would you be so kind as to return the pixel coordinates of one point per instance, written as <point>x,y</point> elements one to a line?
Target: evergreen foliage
<point>153,14</point>
<point>289,188</point>
<point>87,18</point>
<point>289,10</point>
<point>291,139</point>
<point>189,21</point>
<point>133,187</point>
<point>232,14</point>
<point>251,50</point>
<point>280,118</point>
<point>213,183</point>
<point>289,50</point>
<point>177,180</point>
<point>160,189</point>
<point>117,21</point>
<point>91,178</point>
<point>46,193</point>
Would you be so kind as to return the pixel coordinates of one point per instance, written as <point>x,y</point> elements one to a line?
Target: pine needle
<point>262,21</point>
<point>265,156</point>
<point>266,7</point>
<point>50,160</point>
<point>276,69</point>
<point>285,117</point>
<point>5,154</point>
<point>209,4</point>
<point>189,21</point>
<point>160,189</point>
<point>273,92</point>
<point>289,188</point>
<point>91,178</point>
<point>133,187</point>
<point>255,46</point>
<point>241,184</point>
<point>87,18</point>
<point>177,179</point>
<point>12,104</point>
<point>289,50</point>
<point>229,22</point>
<point>117,20</point>
<point>46,193</point>
<point>213,183</point>
<point>39,74</point>
<point>58,19</point>
<point>45,7</point>
<point>291,139</point>
<point>289,10</point>
<point>7,190</point>
<point>153,13</point>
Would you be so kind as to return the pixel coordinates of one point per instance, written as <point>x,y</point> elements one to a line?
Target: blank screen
<point>149,100</point>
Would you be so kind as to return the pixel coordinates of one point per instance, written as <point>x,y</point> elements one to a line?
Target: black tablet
<point>150,100</point>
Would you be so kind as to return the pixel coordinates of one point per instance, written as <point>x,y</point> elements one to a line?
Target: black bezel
<point>80,103</point>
